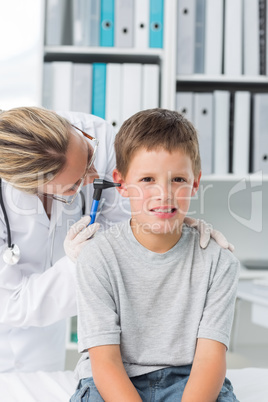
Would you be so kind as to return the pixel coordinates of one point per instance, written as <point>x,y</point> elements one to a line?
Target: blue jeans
<point>166,385</point>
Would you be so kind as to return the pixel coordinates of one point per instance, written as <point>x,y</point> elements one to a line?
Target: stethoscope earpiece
<point>11,255</point>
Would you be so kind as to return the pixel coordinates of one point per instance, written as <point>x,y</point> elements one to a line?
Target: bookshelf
<point>233,215</point>
<point>243,79</point>
<point>163,56</point>
<point>54,52</point>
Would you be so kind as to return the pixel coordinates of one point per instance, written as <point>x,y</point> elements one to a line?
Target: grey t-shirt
<point>154,305</point>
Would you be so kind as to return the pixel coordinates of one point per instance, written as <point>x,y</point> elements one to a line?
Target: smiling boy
<point>155,310</point>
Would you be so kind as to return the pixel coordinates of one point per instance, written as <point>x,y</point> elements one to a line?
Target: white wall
<point>21,52</point>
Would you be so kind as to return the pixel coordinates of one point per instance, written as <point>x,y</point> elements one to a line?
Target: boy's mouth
<point>164,210</point>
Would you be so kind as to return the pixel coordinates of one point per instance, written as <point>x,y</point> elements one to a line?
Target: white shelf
<point>83,50</point>
<point>247,292</point>
<point>230,177</point>
<point>261,79</point>
<point>252,274</point>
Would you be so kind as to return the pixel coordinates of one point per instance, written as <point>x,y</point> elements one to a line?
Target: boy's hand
<point>110,376</point>
<point>207,373</point>
<point>78,236</point>
<point>206,232</point>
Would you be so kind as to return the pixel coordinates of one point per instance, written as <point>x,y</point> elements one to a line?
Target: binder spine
<point>141,24</point>
<point>55,14</point>
<point>94,23</point>
<point>262,36</point>
<point>156,23</point>
<point>113,94</point>
<point>124,23</point>
<point>186,36</point>
<point>107,23</point>
<point>99,89</point>
<point>200,36</point>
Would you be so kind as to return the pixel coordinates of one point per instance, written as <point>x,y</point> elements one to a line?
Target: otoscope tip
<point>102,184</point>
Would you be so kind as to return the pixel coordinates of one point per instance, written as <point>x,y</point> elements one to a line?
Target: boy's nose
<point>165,192</point>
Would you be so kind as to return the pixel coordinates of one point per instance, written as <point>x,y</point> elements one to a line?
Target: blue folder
<point>107,23</point>
<point>99,89</point>
<point>156,23</point>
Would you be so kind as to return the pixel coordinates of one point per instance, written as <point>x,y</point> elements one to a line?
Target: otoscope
<point>99,185</point>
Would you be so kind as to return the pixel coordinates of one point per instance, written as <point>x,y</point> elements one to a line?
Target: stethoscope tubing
<point>9,242</point>
<point>12,254</point>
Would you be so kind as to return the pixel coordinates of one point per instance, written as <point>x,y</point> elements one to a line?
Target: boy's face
<point>159,185</point>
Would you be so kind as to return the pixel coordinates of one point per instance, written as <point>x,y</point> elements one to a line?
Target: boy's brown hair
<point>152,129</point>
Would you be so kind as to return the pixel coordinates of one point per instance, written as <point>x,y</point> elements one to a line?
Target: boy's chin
<point>162,228</point>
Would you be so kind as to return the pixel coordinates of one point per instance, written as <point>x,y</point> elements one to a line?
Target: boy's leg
<point>175,379</point>
<point>167,385</point>
<point>227,392</point>
<point>143,385</point>
<point>86,392</point>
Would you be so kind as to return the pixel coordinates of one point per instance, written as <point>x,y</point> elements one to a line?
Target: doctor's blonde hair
<point>33,146</point>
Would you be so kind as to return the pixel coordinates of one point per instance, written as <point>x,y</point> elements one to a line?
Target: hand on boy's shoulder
<point>207,233</point>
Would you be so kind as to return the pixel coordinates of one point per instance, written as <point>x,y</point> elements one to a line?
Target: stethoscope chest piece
<point>11,255</point>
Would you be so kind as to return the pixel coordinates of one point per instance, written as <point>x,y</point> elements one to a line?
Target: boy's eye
<point>147,179</point>
<point>179,180</point>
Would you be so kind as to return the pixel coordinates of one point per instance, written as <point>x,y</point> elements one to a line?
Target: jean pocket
<point>82,395</point>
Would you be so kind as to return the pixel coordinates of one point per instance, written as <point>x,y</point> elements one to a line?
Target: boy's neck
<point>156,242</point>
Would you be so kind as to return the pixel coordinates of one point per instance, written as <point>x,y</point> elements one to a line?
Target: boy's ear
<point>196,184</point>
<point>118,178</point>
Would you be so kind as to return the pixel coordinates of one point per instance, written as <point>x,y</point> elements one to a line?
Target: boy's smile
<point>159,185</point>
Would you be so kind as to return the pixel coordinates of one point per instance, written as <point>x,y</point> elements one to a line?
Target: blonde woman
<point>48,162</point>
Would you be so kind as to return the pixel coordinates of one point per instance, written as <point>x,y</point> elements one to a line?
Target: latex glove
<point>78,236</point>
<point>206,232</point>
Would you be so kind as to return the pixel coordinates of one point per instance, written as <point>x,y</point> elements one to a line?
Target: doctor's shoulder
<point>94,125</point>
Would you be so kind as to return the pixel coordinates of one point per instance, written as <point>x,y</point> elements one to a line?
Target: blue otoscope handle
<point>99,185</point>
<point>94,208</point>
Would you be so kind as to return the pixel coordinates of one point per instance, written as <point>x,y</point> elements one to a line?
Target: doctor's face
<point>76,170</point>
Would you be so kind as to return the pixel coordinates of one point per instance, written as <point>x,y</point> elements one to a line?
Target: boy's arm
<point>208,372</point>
<point>110,376</point>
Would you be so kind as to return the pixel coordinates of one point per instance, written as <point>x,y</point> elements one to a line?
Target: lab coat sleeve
<point>37,299</point>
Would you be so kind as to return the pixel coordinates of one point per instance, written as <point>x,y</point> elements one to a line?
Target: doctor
<point>47,164</point>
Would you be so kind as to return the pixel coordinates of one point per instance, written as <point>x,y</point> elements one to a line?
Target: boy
<point>155,310</point>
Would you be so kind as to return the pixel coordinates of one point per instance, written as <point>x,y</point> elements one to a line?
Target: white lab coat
<point>38,294</point>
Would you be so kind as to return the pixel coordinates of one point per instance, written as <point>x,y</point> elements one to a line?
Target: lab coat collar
<point>60,212</point>
<point>30,205</point>
<point>56,213</point>
<point>24,204</point>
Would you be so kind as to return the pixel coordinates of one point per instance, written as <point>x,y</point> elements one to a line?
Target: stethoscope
<point>11,255</point>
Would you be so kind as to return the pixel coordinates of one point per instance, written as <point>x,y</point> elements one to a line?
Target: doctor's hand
<point>78,236</point>
<point>206,232</point>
